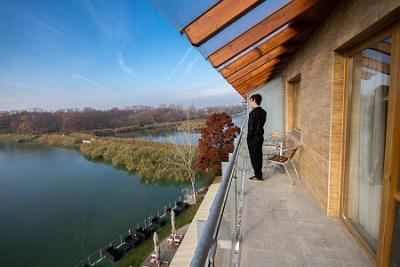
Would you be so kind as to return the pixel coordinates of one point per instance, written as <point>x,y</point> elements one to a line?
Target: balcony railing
<point>218,243</point>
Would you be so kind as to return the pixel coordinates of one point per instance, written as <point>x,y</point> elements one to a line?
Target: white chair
<point>284,161</point>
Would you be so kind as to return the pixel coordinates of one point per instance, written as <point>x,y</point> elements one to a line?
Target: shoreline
<point>150,160</point>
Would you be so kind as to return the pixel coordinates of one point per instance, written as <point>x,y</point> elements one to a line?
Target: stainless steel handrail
<point>204,243</point>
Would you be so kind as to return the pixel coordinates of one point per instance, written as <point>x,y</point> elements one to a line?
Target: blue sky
<point>101,54</point>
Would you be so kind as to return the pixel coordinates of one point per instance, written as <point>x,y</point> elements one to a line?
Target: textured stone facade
<point>322,83</point>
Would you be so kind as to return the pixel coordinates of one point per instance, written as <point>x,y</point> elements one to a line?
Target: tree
<point>216,141</point>
<point>185,155</point>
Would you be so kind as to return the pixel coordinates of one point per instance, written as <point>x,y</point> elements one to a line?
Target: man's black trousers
<point>254,144</point>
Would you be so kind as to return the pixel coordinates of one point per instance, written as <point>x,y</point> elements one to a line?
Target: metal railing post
<point>204,242</point>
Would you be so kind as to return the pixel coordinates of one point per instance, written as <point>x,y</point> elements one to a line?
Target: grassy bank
<point>191,125</point>
<point>17,138</point>
<point>151,160</point>
<point>194,125</point>
<point>66,141</point>
<point>139,254</point>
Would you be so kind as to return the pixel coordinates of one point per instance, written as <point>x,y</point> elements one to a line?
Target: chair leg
<point>266,165</point>
<point>282,169</point>
<point>295,170</point>
<point>287,171</point>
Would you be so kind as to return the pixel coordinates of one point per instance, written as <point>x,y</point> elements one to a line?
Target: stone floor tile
<point>274,259</point>
<point>321,262</point>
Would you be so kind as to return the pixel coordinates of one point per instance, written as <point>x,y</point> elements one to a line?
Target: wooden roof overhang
<point>256,56</point>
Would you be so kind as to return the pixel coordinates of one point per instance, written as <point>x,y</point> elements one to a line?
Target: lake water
<point>56,207</point>
<point>170,135</point>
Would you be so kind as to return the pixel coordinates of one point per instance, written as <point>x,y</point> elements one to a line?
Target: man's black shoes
<point>255,178</point>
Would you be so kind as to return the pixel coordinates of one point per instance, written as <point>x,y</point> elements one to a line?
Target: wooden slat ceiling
<point>217,19</point>
<point>255,57</point>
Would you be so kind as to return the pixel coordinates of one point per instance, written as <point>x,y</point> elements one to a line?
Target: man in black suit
<point>255,138</point>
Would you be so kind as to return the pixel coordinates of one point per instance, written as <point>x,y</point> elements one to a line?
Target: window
<point>293,97</point>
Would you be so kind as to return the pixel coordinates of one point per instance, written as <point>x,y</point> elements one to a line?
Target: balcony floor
<point>284,226</point>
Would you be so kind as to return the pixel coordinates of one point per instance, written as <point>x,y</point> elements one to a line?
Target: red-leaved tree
<point>216,141</point>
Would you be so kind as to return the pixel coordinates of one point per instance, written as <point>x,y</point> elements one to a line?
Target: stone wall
<point>272,102</point>
<point>322,85</point>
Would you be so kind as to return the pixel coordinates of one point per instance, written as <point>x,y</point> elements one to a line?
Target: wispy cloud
<point>173,72</point>
<point>190,66</point>
<point>205,92</point>
<point>97,18</point>
<point>97,84</point>
<point>125,68</point>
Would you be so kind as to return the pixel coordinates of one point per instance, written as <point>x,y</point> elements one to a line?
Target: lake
<point>56,207</point>
<point>170,135</point>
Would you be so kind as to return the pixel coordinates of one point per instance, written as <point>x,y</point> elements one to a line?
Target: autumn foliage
<point>71,120</point>
<point>216,141</point>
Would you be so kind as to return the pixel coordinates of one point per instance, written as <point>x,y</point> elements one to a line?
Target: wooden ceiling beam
<point>217,18</point>
<point>376,65</point>
<point>249,78</point>
<point>272,23</point>
<point>253,85</point>
<point>255,80</point>
<point>266,66</point>
<point>261,50</point>
<point>366,75</point>
<point>383,48</point>
<point>263,76</point>
<point>259,62</point>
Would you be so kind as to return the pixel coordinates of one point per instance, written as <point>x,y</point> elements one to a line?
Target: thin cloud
<point>172,74</point>
<point>125,68</point>
<point>97,18</point>
<point>97,84</point>
<point>190,66</point>
<point>204,92</point>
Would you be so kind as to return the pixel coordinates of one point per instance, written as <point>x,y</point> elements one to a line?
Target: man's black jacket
<point>257,118</point>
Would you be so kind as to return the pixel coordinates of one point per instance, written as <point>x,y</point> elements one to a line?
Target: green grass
<point>139,254</point>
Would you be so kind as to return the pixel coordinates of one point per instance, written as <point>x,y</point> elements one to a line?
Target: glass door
<point>369,72</point>
<point>392,227</point>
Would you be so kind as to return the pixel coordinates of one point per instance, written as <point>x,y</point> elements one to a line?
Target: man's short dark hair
<point>257,98</point>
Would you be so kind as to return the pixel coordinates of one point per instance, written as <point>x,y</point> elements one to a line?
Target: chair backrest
<point>275,135</point>
<point>292,153</point>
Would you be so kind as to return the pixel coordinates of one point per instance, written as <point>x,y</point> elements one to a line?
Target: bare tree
<point>186,151</point>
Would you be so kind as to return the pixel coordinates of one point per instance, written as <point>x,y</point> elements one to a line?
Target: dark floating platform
<point>143,233</point>
<point>133,240</point>
<point>158,221</point>
<point>113,254</point>
<point>180,207</point>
